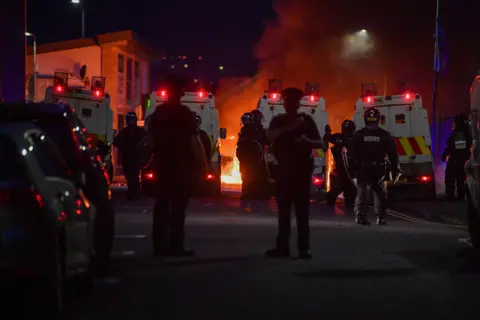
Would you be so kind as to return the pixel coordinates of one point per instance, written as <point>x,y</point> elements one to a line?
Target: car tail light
<point>149,176</point>
<point>21,197</point>
<point>81,202</point>
<point>210,177</point>
<point>425,179</point>
<point>162,93</point>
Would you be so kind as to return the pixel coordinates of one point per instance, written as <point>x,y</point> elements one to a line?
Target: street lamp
<point>82,7</point>
<point>28,34</point>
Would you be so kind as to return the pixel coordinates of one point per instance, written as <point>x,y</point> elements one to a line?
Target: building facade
<point>120,57</point>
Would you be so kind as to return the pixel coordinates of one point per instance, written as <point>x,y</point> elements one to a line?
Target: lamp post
<point>28,34</point>
<point>82,8</point>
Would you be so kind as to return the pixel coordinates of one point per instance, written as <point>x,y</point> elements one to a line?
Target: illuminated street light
<point>82,7</point>
<point>220,67</point>
<point>28,34</point>
<point>185,66</point>
<point>363,31</point>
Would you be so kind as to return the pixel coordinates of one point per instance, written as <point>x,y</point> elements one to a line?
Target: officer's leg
<point>177,232</point>
<point>302,205</point>
<point>135,181</point>
<point>161,219</point>
<point>450,180</point>
<point>335,190</point>
<point>349,192</point>
<point>460,177</point>
<point>129,174</point>
<point>361,203</point>
<point>380,201</point>
<point>284,205</point>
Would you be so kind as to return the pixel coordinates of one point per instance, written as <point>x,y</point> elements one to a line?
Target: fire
<point>232,173</point>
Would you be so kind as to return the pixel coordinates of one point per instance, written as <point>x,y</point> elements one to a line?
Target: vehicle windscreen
<point>12,168</point>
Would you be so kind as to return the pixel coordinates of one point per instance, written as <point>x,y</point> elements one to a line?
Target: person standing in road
<point>178,151</point>
<point>368,149</point>
<point>127,142</point>
<point>293,137</point>
<point>340,180</point>
<point>456,154</point>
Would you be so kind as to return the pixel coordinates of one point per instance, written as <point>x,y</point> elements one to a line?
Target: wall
<point>12,54</point>
<point>68,60</point>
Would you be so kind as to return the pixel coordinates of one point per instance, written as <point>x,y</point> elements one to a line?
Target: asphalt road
<point>405,270</point>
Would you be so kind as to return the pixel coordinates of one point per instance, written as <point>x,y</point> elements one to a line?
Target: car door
<point>78,223</point>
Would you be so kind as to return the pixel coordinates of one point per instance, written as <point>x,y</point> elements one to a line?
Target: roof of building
<point>105,38</point>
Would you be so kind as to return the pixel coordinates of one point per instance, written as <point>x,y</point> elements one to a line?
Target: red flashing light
<point>162,93</point>
<point>425,179</point>
<point>274,96</point>
<point>98,93</point>
<point>149,176</point>
<point>210,177</point>
<point>408,96</point>
<point>317,181</point>
<point>59,88</point>
<point>202,94</point>
<point>312,98</point>
<point>368,99</point>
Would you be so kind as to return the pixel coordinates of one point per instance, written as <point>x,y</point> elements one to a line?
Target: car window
<point>12,166</point>
<point>48,157</point>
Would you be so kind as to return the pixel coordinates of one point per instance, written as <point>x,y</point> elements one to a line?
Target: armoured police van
<point>271,105</point>
<point>473,167</point>
<point>202,103</point>
<point>404,117</point>
<point>92,106</point>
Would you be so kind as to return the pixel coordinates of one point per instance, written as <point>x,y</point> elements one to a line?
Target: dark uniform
<point>369,147</point>
<point>172,127</point>
<point>127,142</point>
<point>340,180</point>
<point>249,153</point>
<point>207,146</point>
<point>458,152</point>
<point>294,136</point>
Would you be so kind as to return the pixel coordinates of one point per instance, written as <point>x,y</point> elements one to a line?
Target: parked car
<point>64,127</point>
<point>46,223</point>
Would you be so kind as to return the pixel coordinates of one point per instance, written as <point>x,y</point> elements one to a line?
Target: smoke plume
<point>300,46</point>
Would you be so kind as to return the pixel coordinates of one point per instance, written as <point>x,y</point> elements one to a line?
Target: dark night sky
<point>226,32</point>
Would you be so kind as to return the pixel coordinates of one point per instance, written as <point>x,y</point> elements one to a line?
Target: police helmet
<point>371,116</point>
<point>131,118</point>
<point>247,118</point>
<point>460,121</point>
<point>257,115</point>
<point>348,127</point>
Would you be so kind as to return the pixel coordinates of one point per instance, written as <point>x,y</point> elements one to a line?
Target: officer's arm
<point>118,141</point>
<point>312,134</point>
<point>448,149</point>
<point>392,152</point>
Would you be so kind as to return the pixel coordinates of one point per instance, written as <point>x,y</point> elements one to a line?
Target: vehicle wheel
<point>50,299</point>
<point>474,226</point>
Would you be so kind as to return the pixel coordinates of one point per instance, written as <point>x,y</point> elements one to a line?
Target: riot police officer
<point>127,142</point>
<point>456,154</point>
<point>368,149</point>
<point>250,155</point>
<point>340,180</point>
<point>293,137</point>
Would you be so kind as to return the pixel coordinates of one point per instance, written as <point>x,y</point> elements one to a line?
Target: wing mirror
<point>223,133</point>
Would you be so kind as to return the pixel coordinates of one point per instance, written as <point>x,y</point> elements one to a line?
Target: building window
<point>121,63</point>
<point>129,81</point>
<point>137,83</point>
